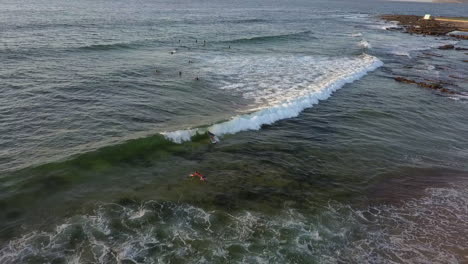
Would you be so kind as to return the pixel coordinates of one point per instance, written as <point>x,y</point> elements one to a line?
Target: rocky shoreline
<point>433,27</point>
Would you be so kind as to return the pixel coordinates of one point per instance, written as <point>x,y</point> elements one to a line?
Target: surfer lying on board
<point>199,175</point>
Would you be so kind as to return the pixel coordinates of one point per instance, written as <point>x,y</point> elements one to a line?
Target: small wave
<point>110,46</point>
<point>145,148</point>
<point>268,38</point>
<point>288,108</point>
<point>364,44</point>
<point>246,21</point>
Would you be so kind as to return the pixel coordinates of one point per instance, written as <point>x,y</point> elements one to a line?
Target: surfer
<point>213,138</point>
<point>199,175</point>
<point>180,73</point>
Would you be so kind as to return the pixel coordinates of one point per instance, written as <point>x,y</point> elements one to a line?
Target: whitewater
<point>288,99</point>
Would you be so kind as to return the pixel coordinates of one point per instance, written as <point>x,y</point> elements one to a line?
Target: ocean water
<point>323,157</point>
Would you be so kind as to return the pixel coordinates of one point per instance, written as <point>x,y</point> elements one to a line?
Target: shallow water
<point>323,158</point>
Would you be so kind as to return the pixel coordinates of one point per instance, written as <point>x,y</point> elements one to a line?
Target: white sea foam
<point>279,88</point>
<point>180,136</point>
<point>364,44</point>
<point>384,25</point>
<point>429,229</point>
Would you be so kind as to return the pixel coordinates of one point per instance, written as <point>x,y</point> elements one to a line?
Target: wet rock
<point>435,85</point>
<point>459,34</point>
<point>446,47</point>
<point>445,90</point>
<point>422,84</point>
<point>460,48</point>
<point>394,28</point>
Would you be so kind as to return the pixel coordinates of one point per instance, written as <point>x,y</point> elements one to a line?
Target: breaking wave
<point>303,83</point>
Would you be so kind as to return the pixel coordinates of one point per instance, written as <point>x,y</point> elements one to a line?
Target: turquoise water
<point>323,158</point>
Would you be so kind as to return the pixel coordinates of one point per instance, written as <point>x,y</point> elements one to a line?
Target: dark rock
<point>434,85</point>
<point>445,90</point>
<point>460,48</point>
<point>395,28</point>
<point>446,47</point>
<point>401,79</point>
<point>430,85</point>
<point>417,25</point>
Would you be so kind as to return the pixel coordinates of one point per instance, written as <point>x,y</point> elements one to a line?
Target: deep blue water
<point>323,157</point>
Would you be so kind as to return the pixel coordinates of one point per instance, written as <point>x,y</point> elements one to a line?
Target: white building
<point>427,17</point>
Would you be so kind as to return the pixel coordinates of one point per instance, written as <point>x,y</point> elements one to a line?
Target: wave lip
<point>286,109</point>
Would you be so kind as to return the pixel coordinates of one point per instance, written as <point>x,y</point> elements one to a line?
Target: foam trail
<point>290,107</point>
<point>365,44</point>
